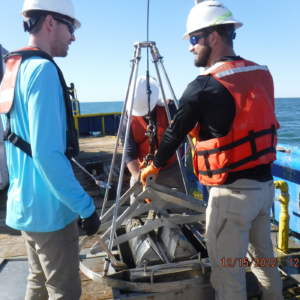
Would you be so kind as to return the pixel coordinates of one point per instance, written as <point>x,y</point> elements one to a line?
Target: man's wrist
<point>155,165</point>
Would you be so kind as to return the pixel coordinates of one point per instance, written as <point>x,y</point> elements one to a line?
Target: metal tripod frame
<point>133,74</point>
<point>163,198</point>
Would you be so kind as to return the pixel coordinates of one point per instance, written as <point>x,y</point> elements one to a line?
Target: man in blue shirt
<point>44,198</point>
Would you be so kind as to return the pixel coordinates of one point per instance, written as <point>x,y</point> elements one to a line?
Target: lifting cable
<point>151,133</point>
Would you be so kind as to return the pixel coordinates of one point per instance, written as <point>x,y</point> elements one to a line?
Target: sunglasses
<point>194,39</point>
<point>71,26</point>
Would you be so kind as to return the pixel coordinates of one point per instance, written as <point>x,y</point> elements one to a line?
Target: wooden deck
<point>11,242</point>
<point>100,148</point>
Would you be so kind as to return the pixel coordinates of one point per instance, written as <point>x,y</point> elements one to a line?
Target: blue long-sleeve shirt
<point>43,195</point>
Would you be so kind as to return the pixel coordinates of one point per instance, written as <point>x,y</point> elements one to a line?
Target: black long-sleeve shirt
<point>208,102</point>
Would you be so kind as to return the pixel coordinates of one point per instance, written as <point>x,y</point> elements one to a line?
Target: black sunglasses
<point>71,26</point>
<point>194,39</point>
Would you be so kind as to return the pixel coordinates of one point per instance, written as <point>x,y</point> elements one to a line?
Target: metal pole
<point>118,136</point>
<point>159,59</point>
<point>184,177</point>
<point>136,62</point>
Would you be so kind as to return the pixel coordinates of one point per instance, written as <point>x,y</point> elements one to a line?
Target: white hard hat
<point>63,7</point>
<point>140,104</point>
<point>209,13</point>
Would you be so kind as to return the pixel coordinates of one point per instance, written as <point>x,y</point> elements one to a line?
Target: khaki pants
<point>53,259</point>
<point>238,225</point>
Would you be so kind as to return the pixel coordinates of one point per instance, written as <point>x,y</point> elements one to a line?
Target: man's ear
<point>213,38</point>
<point>49,22</point>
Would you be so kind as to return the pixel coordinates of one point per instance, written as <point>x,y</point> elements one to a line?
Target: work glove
<point>91,224</point>
<point>150,170</point>
<point>142,166</point>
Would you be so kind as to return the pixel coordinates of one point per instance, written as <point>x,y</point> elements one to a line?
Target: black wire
<point>147,72</point>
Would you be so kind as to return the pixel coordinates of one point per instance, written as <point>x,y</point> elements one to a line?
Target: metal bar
<point>196,234</point>
<point>125,215</point>
<point>103,126</point>
<point>147,44</point>
<point>136,62</point>
<point>183,200</point>
<point>76,124</point>
<point>182,170</point>
<point>174,265</point>
<point>109,213</point>
<point>137,212</point>
<point>118,136</point>
<point>118,265</point>
<point>98,182</point>
<point>156,224</point>
<point>100,114</point>
<point>159,58</point>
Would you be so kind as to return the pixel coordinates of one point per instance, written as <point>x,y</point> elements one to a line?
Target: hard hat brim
<point>23,13</point>
<point>237,25</point>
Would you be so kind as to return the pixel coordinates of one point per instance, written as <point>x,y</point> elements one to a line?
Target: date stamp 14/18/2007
<point>245,262</point>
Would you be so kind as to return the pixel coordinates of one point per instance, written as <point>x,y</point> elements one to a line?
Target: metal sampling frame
<point>163,198</point>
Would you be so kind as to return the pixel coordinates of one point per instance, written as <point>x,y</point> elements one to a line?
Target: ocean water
<point>100,107</point>
<point>287,112</point>
<point>288,115</point>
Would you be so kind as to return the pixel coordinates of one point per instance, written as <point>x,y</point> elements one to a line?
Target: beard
<point>60,46</point>
<point>60,49</point>
<point>202,58</point>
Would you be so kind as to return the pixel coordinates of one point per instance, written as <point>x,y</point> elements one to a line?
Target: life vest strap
<point>237,164</point>
<point>15,139</point>
<point>71,134</point>
<point>273,135</point>
<point>240,142</point>
<point>254,156</point>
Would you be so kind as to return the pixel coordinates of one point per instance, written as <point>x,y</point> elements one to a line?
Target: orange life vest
<point>139,129</point>
<point>252,140</point>
<point>13,61</point>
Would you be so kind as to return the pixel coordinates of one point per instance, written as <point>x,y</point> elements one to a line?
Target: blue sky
<point>99,61</point>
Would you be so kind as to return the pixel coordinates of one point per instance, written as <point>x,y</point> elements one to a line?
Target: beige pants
<point>53,259</point>
<point>237,222</point>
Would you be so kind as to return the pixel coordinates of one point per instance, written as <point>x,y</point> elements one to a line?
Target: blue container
<point>287,168</point>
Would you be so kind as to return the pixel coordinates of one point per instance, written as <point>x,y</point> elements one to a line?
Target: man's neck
<point>40,43</point>
<point>228,51</point>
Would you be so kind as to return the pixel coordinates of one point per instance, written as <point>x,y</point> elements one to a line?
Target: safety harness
<point>13,61</point>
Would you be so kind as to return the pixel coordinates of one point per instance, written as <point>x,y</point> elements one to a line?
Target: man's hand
<point>91,224</point>
<point>150,170</point>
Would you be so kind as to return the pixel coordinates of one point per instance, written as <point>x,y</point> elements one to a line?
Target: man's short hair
<point>38,25</point>
<point>226,32</point>
<point>42,16</point>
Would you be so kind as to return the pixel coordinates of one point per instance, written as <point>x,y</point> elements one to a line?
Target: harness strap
<point>71,135</point>
<point>15,139</point>
<point>7,131</point>
<point>273,135</point>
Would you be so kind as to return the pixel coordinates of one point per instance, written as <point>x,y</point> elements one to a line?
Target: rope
<point>186,152</point>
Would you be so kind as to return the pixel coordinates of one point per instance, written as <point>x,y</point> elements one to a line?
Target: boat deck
<point>12,246</point>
